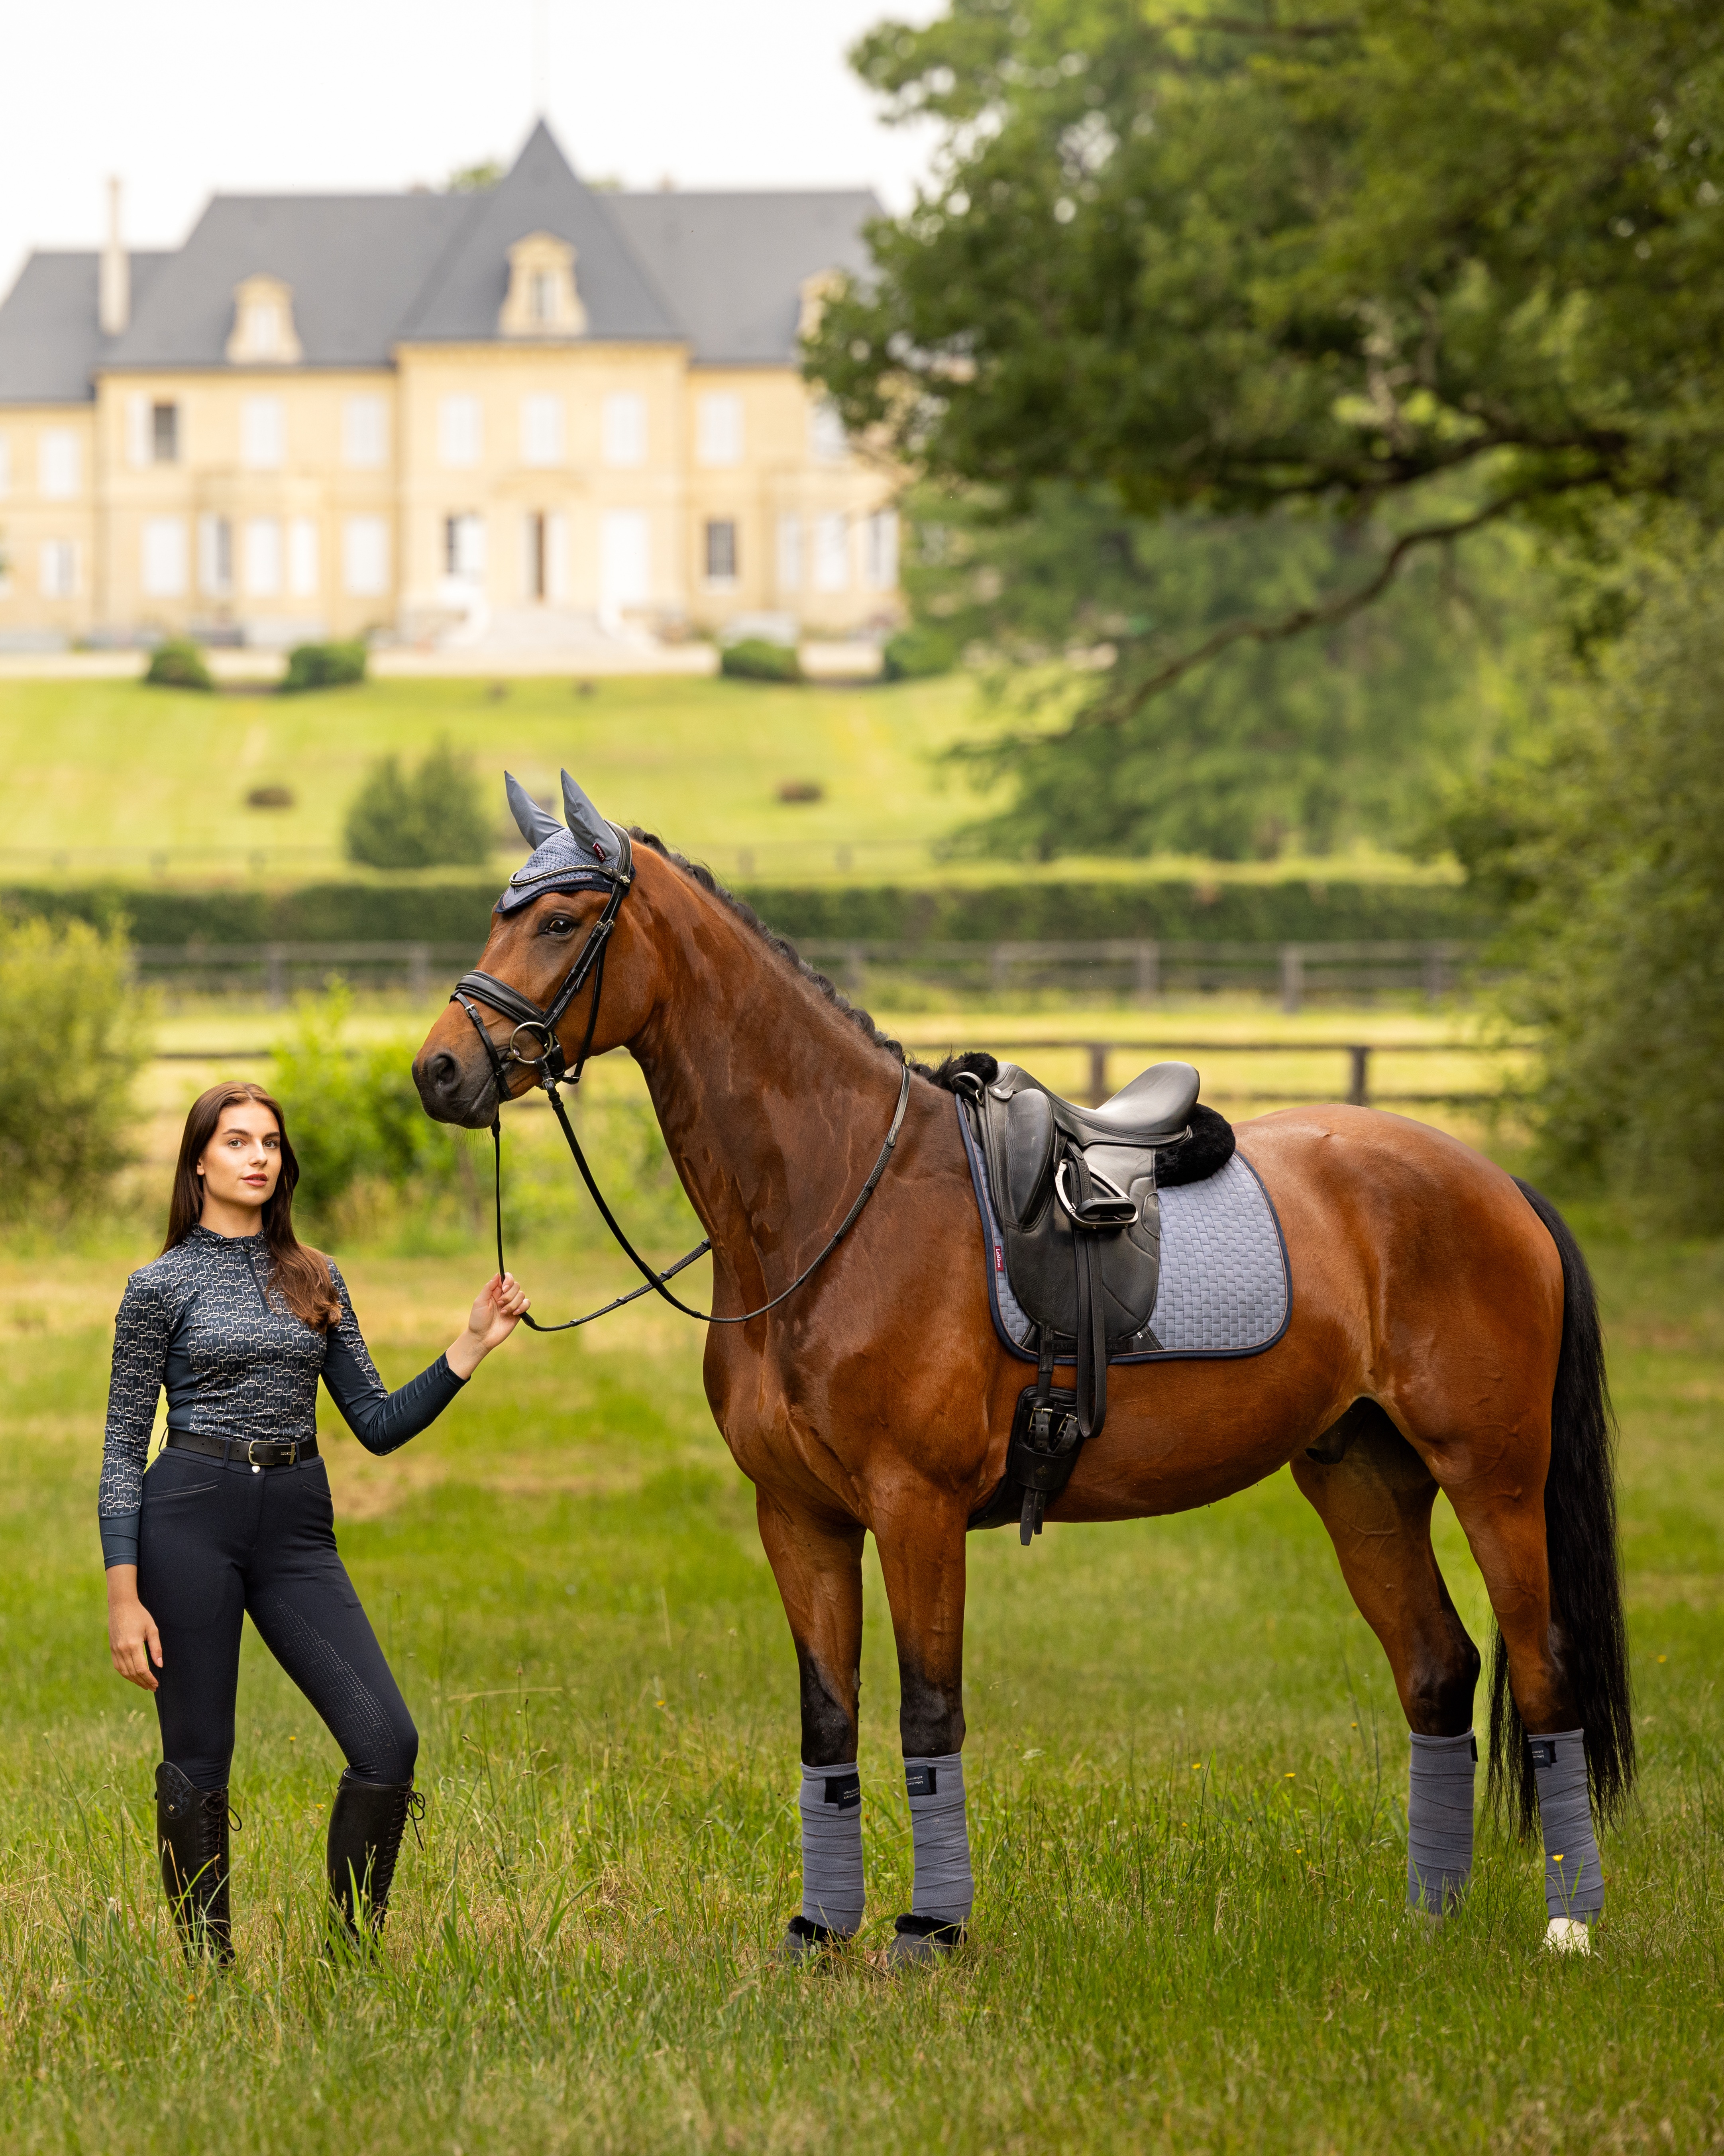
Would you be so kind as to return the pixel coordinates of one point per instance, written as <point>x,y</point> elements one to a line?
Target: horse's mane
<point>943,1074</point>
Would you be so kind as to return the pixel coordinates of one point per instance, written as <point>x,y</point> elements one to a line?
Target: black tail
<point>1586,1570</point>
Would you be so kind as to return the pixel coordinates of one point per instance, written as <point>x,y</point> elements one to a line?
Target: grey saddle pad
<point>1224,1290</point>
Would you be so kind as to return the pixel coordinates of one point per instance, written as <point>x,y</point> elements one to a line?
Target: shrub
<point>177,663</point>
<point>353,1112</point>
<point>72,1031</point>
<point>418,820</point>
<point>754,659</point>
<point>914,654</point>
<point>323,666</point>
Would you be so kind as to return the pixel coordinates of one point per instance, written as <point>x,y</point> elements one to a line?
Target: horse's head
<point>565,971</point>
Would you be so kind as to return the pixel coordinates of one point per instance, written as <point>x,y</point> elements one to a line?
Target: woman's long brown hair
<point>298,1276</point>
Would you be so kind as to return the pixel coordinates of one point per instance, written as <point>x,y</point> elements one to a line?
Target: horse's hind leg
<point>817,1564</point>
<point>1374,1495</point>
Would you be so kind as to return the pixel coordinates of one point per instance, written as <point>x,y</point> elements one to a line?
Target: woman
<point>238,1320</point>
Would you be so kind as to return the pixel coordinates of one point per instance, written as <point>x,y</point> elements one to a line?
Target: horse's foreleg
<point>920,1536</point>
<point>817,1564</point>
<point>1374,1495</point>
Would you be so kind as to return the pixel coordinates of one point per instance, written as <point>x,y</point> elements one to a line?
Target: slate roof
<point>721,273</point>
<point>733,266</point>
<point>50,339</point>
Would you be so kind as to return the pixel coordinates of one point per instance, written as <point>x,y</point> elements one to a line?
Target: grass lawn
<point>1187,1762</point>
<point>112,779</point>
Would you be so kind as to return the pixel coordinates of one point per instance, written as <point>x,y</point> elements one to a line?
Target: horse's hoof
<point>804,1940</point>
<point>923,1942</point>
<point>1567,1935</point>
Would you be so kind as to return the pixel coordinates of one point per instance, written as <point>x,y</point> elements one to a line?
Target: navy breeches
<point>216,1542</point>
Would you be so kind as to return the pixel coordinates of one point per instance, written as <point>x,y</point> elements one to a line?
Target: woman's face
<point>241,1164</point>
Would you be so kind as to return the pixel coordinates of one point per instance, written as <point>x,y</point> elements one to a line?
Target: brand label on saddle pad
<point>1224,1288</point>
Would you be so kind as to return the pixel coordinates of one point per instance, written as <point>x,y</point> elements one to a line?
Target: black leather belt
<point>257,1452</point>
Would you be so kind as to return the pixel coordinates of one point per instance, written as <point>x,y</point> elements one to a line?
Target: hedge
<point>1177,910</point>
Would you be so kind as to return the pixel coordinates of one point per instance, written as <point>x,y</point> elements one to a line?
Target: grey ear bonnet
<point>583,857</point>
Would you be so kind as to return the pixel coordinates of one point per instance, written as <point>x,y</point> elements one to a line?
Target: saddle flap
<point>1020,1135</point>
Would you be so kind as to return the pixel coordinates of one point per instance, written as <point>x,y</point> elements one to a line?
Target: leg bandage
<point>1574,1883</point>
<point>1439,1821</point>
<point>830,1804</point>
<point>945,1888</point>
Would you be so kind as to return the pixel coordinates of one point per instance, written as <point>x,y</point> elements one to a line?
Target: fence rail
<point>1145,967</point>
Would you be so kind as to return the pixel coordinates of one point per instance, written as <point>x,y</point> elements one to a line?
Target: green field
<point>110,778</point>
<point>1187,1762</point>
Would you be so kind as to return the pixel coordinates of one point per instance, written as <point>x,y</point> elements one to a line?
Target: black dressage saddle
<point>1074,1189</point>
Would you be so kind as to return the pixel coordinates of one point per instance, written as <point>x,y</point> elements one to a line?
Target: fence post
<point>1435,970</point>
<point>1293,976</point>
<point>855,968</point>
<point>1148,971</point>
<point>999,968</point>
<point>419,970</point>
<point>1359,1087</point>
<point>1098,1072</point>
<point>274,975</point>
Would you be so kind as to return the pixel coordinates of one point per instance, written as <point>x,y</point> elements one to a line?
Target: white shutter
<point>262,434</point>
<point>57,463</point>
<point>718,430</point>
<point>57,568</point>
<point>624,429</point>
<point>624,563</point>
<point>542,431</point>
<point>164,557</point>
<point>215,556</point>
<point>365,557</point>
<point>302,557</point>
<point>263,558</point>
<point>827,444</point>
<point>459,432</point>
<point>831,553</point>
<point>364,433</point>
<point>882,551</point>
<point>140,430</point>
<point>789,553</point>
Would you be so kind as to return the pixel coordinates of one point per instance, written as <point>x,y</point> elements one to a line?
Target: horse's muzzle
<point>452,1089</point>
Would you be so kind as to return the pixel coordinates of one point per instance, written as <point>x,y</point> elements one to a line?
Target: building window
<point>789,553</point>
<point>215,556</point>
<point>458,432</point>
<point>262,433</point>
<point>463,547</point>
<point>624,427</point>
<point>365,440</point>
<point>57,566</point>
<point>827,444</point>
<point>534,555</point>
<point>164,557</point>
<point>721,550</point>
<point>881,546</point>
<point>164,433</point>
<point>365,557</point>
<point>263,558</point>
<point>540,431</point>
<point>262,323</point>
<point>718,430</point>
<point>543,295</point>
<point>624,564</point>
<point>831,553</point>
<point>302,578</point>
<point>57,463</point>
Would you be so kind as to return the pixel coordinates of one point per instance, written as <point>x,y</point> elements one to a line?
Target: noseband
<point>549,1068</point>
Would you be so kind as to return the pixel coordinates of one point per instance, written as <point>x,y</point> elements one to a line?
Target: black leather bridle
<point>549,1068</point>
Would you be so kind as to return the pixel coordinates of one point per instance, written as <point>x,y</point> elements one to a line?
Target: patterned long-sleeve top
<point>202,1322</point>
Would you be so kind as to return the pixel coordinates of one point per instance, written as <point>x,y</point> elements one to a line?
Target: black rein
<point>549,1068</point>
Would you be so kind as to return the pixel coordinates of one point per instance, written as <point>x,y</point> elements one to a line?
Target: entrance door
<point>624,564</point>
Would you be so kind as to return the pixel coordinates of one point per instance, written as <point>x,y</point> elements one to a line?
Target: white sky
<point>186,98</point>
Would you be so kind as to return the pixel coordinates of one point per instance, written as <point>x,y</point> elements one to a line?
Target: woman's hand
<point>497,1310</point>
<point>132,1638</point>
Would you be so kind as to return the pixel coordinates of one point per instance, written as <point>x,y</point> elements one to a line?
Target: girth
<point>1074,1190</point>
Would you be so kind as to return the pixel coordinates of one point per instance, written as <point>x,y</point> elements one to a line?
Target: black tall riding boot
<point>192,1841</point>
<point>365,1824</point>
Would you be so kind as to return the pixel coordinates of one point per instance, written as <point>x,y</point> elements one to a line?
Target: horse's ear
<point>586,823</point>
<point>536,824</point>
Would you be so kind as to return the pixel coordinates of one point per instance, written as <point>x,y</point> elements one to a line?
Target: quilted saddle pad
<point>1225,1287</point>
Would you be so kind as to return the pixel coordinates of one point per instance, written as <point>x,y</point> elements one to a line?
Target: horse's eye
<point>559,924</point>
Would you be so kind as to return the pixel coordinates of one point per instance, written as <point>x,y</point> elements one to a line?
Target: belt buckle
<point>257,1465</point>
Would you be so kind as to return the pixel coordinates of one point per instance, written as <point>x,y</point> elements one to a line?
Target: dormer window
<point>263,332</point>
<point>541,301</point>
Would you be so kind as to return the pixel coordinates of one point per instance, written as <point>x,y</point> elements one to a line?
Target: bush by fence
<point>323,666</point>
<point>72,1032</point>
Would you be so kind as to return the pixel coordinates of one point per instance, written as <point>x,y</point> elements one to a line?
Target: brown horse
<point>1442,1336</point>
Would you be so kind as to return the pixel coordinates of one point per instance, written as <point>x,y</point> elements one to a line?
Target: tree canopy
<point>1414,266</point>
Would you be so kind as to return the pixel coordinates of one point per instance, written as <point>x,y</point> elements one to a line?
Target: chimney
<point>114,289</point>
